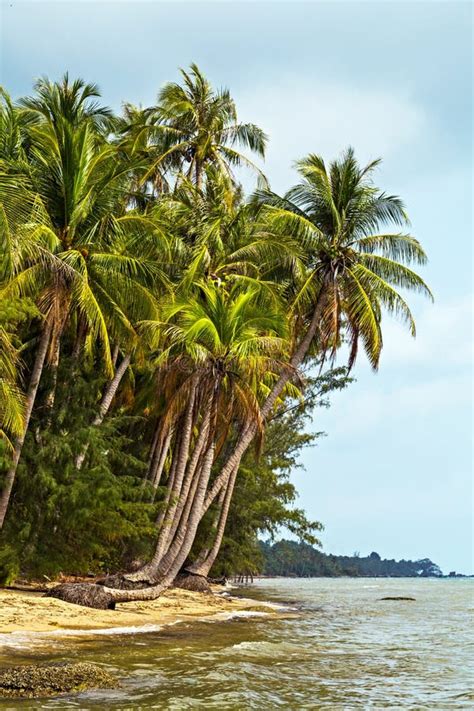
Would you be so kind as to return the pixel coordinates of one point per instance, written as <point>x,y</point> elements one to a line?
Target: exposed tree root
<point>85,594</point>
<point>103,594</point>
<point>196,583</point>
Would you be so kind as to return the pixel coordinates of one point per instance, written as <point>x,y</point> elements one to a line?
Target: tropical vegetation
<point>301,560</point>
<point>166,336</point>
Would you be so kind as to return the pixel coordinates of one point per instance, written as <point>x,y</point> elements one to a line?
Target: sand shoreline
<point>22,611</point>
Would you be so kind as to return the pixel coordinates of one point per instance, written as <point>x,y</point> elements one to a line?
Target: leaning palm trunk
<point>179,551</point>
<point>105,404</point>
<point>189,483</point>
<point>170,535</point>
<point>182,457</point>
<point>184,538</point>
<point>161,571</point>
<point>207,557</point>
<point>54,365</point>
<point>30,401</point>
<point>196,505</point>
<point>249,432</point>
<point>159,465</point>
<point>169,487</point>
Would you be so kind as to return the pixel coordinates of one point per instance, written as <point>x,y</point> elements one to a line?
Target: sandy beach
<point>32,612</point>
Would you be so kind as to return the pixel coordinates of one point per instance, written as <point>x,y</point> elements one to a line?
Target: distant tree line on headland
<point>301,560</point>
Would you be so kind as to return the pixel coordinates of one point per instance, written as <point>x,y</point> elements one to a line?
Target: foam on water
<point>25,640</point>
<point>223,616</point>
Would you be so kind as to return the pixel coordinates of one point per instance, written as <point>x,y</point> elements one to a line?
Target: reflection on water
<point>342,648</point>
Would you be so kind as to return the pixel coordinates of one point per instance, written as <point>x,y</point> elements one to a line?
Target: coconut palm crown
<point>197,125</point>
<point>353,268</point>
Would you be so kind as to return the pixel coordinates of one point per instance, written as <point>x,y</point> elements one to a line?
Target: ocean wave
<point>271,605</point>
<point>224,616</point>
<point>25,640</point>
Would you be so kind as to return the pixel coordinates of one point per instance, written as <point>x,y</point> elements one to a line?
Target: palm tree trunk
<point>30,401</point>
<point>183,455</point>
<point>49,403</point>
<point>192,466</point>
<point>198,174</point>
<point>105,404</point>
<point>115,355</point>
<point>181,514</point>
<point>170,484</point>
<point>162,563</point>
<point>184,538</point>
<point>157,470</point>
<point>207,557</point>
<point>157,436</point>
<point>288,372</point>
<point>158,451</point>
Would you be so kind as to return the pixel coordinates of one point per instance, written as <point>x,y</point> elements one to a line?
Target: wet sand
<point>32,612</point>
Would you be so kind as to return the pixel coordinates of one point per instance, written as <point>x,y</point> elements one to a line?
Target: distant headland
<point>301,560</point>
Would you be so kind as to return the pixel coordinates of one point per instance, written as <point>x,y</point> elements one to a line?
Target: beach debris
<point>36,680</point>
<point>398,597</point>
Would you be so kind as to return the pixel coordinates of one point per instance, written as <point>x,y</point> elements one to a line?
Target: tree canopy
<point>165,337</point>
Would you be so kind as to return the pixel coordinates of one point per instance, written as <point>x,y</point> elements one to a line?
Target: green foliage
<point>70,521</point>
<point>264,498</point>
<point>128,240</point>
<point>300,560</point>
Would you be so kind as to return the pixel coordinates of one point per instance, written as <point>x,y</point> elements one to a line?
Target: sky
<point>392,79</point>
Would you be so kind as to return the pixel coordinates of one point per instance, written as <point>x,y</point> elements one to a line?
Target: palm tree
<point>196,126</point>
<point>80,253</point>
<point>11,397</point>
<point>231,344</point>
<point>347,275</point>
<point>352,269</point>
<point>135,243</point>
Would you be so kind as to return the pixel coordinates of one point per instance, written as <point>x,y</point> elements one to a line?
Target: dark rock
<point>218,581</point>
<point>412,599</point>
<point>196,583</point>
<point>88,595</point>
<point>35,680</point>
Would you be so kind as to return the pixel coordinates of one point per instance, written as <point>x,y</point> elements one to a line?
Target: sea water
<point>330,644</point>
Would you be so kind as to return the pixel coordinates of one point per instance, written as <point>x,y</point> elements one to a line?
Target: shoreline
<point>23,612</point>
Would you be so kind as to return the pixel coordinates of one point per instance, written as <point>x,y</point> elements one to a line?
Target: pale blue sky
<point>393,79</point>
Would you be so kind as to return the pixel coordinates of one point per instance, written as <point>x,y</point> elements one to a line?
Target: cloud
<point>422,382</point>
<point>444,337</point>
<point>326,119</point>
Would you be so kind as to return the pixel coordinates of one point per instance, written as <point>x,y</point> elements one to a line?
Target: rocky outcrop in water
<point>36,680</point>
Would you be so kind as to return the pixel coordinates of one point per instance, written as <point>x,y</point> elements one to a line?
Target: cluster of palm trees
<point>133,240</point>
